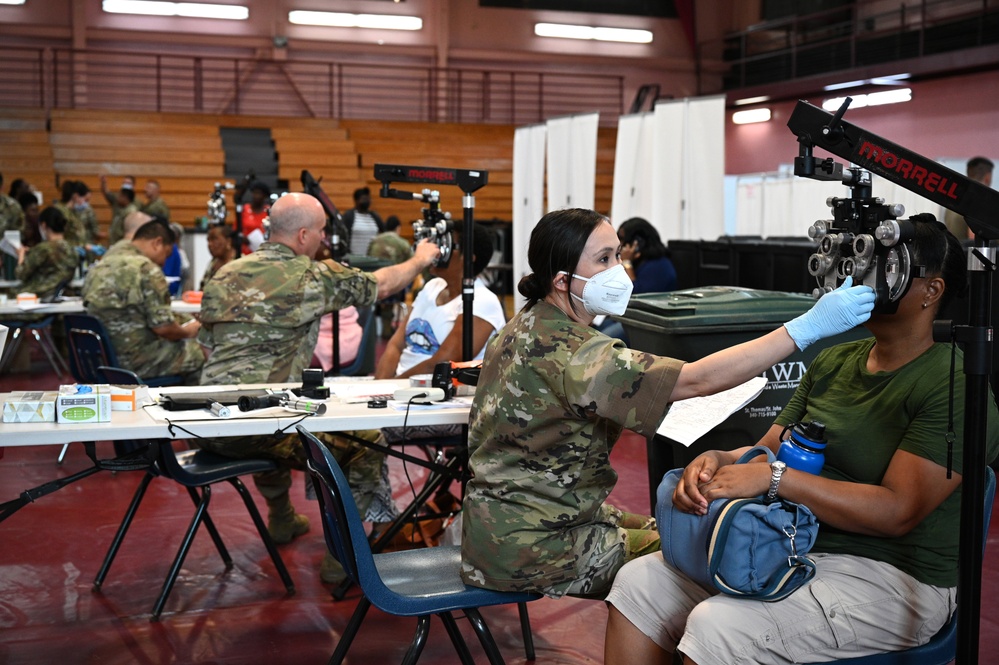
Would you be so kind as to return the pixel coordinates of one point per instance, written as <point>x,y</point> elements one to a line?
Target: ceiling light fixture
<point>896,96</point>
<point>187,9</point>
<point>564,31</point>
<point>11,2</point>
<point>751,100</point>
<point>751,115</point>
<point>892,79</point>
<point>343,20</point>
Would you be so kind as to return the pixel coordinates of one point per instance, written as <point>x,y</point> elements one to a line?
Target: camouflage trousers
<point>367,473</point>
<point>617,538</point>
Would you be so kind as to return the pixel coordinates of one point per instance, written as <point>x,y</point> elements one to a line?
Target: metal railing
<point>851,36</point>
<point>104,79</point>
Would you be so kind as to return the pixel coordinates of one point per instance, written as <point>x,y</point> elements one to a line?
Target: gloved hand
<point>835,312</point>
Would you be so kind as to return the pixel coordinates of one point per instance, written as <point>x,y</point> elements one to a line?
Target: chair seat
<point>162,381</point>
<point>204,468</point>
<point>421,577</point>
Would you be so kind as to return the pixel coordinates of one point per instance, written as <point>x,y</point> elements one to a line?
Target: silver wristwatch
<point>776,471</point>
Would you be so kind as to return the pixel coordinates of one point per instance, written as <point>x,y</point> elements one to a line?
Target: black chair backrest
<point>89,347</point>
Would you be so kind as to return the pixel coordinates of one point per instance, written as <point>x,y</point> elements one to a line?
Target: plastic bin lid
<point>716,306</point>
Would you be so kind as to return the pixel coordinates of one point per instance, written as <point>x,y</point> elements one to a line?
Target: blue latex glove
<point>835,312</point>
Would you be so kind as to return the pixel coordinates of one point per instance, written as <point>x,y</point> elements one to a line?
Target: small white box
<point>30,407</point>
<point>84,404</point>
<point>129,398</point>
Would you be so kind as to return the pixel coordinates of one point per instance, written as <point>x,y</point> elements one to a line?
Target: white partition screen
<point>528,195</point>
<point>572,161</point>
<point>633,182</point>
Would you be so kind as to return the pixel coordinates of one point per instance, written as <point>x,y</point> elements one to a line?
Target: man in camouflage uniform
<point>133,222</point>
<point>51,262</point>
<point>126,206</point>
<point>391,247</point>
<point>11,219</point>
<point>87,215</point>
<point>70,202</point>
<point>260,317</point>
<point>11,215</point>
<point>154,205</point>
<point>128,293</point>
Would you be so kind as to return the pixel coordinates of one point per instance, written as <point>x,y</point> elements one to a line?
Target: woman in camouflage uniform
<point>553,397</point>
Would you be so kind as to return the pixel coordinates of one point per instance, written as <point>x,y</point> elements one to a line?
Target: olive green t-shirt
<point>868,416</point>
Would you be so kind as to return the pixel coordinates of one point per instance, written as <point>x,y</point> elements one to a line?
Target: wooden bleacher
<point>183,152</point>
<point>25,151</point>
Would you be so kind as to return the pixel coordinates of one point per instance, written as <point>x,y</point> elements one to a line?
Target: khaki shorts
<point>852,607</point>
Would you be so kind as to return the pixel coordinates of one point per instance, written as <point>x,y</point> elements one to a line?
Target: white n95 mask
<point>607,292</point>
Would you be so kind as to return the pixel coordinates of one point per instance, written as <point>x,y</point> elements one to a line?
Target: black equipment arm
<point>466,180</point>
<point>979,204</point>
<point>819,128</point>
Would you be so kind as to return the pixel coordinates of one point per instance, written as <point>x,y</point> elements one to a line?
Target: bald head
<point>294,211</point>
<point>133,221</point>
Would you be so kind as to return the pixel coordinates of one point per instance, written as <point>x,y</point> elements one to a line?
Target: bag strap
<point>756,451</point>
<point>800,568</point>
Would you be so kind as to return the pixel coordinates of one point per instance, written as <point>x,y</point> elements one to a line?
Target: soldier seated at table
<point>261,316</point>
<point>51,263</point>
<point>128,293</point>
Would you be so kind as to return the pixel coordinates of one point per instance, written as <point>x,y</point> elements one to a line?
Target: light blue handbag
<point>742,547</point>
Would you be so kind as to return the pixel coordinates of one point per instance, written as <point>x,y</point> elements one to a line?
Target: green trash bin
<point>694,323</point>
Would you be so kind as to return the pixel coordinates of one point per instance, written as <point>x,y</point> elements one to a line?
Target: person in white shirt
<point>432,332</point>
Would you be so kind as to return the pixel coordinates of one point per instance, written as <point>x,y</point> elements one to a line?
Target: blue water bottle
<point>803,449</point>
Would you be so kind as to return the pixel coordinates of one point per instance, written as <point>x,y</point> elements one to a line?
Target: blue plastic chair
<point>90,349</point>
<point>418,582</point>
<point>941,649</point>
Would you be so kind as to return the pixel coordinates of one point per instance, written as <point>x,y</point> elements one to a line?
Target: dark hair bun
<point>530,288</point>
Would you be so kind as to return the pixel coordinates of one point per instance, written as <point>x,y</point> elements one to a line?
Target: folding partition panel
<point>528,196</point>
<point>633,182</point>
<point>687,168</point>
<point>572,160</point>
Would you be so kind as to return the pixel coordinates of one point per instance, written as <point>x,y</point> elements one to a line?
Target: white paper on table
<point>10,243</point>
<point>453,403</point>
<point>690,419</point>
<point>356,392</point>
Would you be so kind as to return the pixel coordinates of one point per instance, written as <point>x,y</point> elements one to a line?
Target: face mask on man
<point>607,292</point>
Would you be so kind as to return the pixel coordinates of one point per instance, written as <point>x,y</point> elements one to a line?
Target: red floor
<point>51,550</point>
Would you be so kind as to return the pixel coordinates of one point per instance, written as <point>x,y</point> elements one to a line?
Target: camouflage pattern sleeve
<point>11,215</point>
<point>157,207</point>
<point>552,400</point>
<point>260,313</point>
<point>47,265</point>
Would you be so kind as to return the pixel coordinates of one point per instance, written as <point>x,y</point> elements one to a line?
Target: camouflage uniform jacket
<point>75,233</point>
<point>89,220</point>
<point>11,215</point>
<point>129,294</point>
<point>117,230</point>
<point>552,399</point>
<point>260,313</point>
<point>157,207</point>
<point>390,246</point>
<point>46,265</point>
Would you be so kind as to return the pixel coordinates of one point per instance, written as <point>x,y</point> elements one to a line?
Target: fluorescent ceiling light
<point>873,99</point>
<point>11,2</point>
<point>342,20</point>
<point>188,9</point>
<point>878,80</point>
<point>564,31</point>
<point>752,100</point>
<point>751,115</point>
